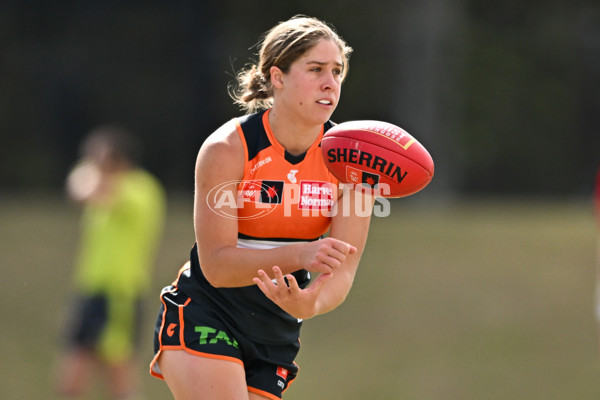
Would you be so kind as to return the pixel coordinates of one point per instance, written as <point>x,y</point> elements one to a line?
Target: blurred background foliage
<point>505,95</point>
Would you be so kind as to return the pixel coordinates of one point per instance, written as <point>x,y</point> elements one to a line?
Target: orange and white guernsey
<point>284,197</point>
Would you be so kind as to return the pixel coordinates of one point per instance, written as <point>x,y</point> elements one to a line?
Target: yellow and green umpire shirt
<point>119,240</point>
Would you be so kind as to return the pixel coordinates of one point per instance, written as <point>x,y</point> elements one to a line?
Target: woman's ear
<point>276,77</point>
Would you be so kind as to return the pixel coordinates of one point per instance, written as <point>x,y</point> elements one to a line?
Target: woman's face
<point>311,88</point>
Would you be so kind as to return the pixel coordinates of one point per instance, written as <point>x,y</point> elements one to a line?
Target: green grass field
<point>473,300</point>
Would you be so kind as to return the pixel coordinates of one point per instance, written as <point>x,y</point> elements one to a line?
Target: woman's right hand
<point>325,255</point>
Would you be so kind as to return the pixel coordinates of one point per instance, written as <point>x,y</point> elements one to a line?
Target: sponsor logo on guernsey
<point>292,175</point>
<point>270,192</point>
<point>316,195</point>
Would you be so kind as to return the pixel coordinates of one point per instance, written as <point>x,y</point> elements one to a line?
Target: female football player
<point>229,325</point>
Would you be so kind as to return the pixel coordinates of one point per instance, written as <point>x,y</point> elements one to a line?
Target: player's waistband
<point>267,243</point>
<point>260,244</point>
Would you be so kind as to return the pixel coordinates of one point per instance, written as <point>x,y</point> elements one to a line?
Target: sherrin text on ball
<point>378,155</point>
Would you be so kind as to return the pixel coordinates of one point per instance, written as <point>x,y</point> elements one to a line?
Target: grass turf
<point>470,300</point>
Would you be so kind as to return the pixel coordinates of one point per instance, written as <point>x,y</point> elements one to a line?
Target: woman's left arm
<point>350,224</point>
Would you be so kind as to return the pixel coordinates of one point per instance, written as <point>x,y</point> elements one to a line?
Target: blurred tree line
<point>506,95</point>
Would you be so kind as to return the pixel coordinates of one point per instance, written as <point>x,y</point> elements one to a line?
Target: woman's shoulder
<point>230,136</point>
<point>223,144</point>
<point>225,138</point>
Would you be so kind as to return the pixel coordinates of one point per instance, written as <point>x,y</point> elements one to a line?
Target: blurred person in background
<point>123,212</point>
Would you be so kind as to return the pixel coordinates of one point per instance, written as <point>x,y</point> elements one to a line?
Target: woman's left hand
<point>299,303</point>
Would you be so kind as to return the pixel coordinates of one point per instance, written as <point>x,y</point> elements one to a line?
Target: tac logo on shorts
<point>210,335</point>
<point>360,177</point>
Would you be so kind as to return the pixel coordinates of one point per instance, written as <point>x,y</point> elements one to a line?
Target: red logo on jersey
<point>270,192</point>
<point>250,191</point>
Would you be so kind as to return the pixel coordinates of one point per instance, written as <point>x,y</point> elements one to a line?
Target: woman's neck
<point>295,136</point>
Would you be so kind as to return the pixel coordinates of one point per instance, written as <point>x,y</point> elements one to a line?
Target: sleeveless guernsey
<point>284,199</point>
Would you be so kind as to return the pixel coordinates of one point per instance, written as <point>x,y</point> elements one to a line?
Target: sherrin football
<point>379,155</point>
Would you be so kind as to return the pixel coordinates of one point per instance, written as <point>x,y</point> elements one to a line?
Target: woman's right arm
<point>221,160</point>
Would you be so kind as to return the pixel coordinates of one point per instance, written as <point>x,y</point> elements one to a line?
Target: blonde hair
<point>280,47</point>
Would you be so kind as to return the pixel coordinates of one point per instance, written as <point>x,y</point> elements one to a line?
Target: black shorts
<point>182,324</point>
<point>88,320</point>
<point>109,326</point>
